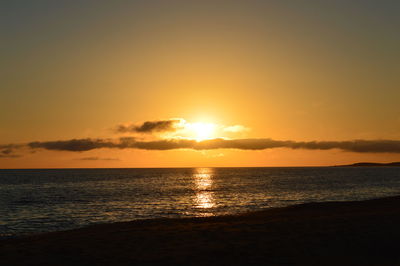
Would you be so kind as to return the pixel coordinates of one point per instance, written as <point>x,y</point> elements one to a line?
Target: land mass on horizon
<point>366,164</point>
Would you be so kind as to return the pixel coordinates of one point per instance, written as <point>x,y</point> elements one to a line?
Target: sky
<point>198,83</point>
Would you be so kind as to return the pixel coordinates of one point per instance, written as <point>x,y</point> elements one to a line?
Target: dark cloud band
<point>79,145</point>
<point>72,145</point>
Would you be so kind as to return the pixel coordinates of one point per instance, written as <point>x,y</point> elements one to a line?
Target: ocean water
<point>59,199</point>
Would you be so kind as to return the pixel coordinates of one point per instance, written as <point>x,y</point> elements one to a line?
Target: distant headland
<point>366,164</point>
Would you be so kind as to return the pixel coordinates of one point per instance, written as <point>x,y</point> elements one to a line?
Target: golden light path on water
<point>204,199</point>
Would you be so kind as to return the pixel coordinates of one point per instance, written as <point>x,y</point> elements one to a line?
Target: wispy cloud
<point>235,128</point>
<point>8,150</point>
<point>97,159</point>
<point>10,155</point>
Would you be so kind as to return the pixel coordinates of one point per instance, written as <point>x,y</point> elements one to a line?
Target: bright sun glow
<point>202,131</point>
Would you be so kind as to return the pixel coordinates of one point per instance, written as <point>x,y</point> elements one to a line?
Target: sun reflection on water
<point>204,198</point>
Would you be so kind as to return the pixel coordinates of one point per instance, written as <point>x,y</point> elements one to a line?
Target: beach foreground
<point>333,233</point>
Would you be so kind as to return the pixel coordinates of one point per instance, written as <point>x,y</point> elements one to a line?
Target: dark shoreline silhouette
<point>367,164</point>
<point>329,233</point>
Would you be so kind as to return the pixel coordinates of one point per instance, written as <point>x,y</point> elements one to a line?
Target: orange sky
<point>300,71</point>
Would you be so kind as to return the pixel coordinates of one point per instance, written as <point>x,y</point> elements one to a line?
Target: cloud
<point>9,147</point>
<point>172,142</point>
<point>235,128</point>
<point>362,146</point>
<point>10,155</point>
<point>87,144</point>
<point>79,145</point>
<point>72,145</point>
<point>7,151</point>
<point>149,127</point>
<point>97,159</point>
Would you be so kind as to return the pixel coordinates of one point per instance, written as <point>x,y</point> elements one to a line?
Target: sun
<point>202,131</point>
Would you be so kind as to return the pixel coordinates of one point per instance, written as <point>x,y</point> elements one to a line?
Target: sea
<point>44,200</point>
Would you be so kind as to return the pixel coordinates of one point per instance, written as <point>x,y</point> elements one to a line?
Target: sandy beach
<point>334,233</point>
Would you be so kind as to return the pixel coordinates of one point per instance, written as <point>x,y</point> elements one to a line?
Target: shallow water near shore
<point>42,200</point>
